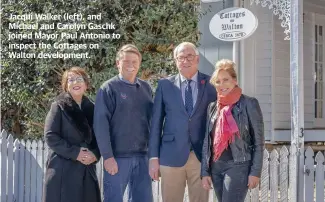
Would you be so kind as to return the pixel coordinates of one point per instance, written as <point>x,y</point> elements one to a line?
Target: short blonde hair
<point>128,48</point>
<point>226,65</point>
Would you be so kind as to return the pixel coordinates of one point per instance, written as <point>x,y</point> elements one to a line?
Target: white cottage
<point>264,65</point>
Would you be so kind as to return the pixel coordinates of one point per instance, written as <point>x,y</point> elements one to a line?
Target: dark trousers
<point>230,180</point>
<point>132,173</point>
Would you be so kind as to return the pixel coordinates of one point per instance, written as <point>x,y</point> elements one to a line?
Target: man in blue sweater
<point>121,124</point>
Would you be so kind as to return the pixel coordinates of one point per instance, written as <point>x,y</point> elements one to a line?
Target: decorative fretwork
<point>280,8</point>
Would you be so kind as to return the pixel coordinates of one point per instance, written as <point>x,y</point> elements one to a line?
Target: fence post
<point>248,196</point>
<point>21,174</point>
<point>319,177</point>
<point>39,173</point>
<point>16,172</point>
<point>212,196</point>
<point>33,171</point>
<point>274,174</point>
<point>309,174</point>
<point>3,179</point>
<point>155,191</point>
<point>27,171</point>
<point>284,174</point>
<point>265,177</point>
<point>10,177</point>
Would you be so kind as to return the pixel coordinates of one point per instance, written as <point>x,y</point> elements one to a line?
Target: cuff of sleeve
<point>75,153</point>
<point>97,156</point>
<point>96,153</point>
<point>255,173</point>
<point>153,158</point>
<point>153,154</point>
<point>107,155</point>
<point>204,173</point>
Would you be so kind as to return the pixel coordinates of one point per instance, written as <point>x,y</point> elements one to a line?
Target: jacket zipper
<point>241,129</point>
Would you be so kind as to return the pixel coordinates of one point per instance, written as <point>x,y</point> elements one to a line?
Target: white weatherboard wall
<point>281,77</point>
<point>281,66</point>
<point>256,63</point>
<point>316,6</point>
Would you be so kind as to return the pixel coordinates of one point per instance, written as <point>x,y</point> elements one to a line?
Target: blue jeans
<point>230,180</point>
<point>133,172</point>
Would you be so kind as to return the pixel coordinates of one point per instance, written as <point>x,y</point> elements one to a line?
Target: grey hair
<point>189,44</point>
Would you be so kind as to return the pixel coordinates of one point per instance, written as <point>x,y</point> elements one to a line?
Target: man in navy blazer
<point>178,126</point>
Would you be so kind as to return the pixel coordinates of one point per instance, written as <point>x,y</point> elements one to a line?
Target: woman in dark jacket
<point>73,152</point>
<point>234,139</point>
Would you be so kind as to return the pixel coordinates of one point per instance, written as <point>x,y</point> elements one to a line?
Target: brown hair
<point>76,70</point>
<point>226,65</point>
<point>128,48</point>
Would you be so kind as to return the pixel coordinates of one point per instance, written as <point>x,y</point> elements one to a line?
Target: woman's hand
<point>207,182</point>
<point>82,154</point>
<point>86,157</point>
<point>89,158</point>
<point>253,182</point>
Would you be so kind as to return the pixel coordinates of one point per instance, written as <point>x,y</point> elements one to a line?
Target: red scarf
<point>226,127</point>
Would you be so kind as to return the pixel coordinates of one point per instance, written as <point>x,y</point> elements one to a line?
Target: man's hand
<point>154,169</point>
<point>110,166</point>
<point>253,182</point>
<point>207,182</point>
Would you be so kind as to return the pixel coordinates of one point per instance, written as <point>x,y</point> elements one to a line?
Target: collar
<point>194,77</point>
<point>137,82</point>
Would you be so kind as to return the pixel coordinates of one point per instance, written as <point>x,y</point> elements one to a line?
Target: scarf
<point>226,127</point>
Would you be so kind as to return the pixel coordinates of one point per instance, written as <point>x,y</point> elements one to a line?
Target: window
<point>319,70</point>
<point>319,64</point>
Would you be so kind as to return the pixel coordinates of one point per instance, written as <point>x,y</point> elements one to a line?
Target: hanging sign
<point>233,24</point>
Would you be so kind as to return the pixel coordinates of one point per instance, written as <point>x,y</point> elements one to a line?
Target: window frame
<point>319,21</point>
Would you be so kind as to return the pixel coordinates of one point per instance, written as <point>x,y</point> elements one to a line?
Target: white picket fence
<point>22,170</point>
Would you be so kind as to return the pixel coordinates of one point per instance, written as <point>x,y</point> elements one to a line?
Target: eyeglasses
<point>182,58</point>
<point>77,79</point>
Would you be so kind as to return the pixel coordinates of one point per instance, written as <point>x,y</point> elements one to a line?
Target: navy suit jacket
<point>173,131</point>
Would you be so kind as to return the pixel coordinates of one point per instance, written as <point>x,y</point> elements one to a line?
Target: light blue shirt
<point>194,87</point>
<point>136,81</point>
